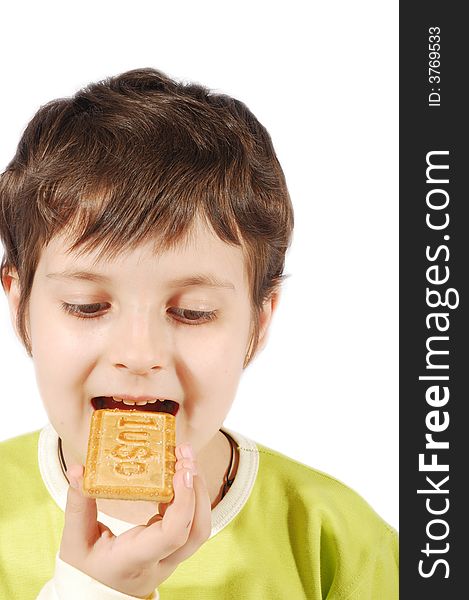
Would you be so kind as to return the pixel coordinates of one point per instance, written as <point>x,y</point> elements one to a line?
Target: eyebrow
<point>199,279</point>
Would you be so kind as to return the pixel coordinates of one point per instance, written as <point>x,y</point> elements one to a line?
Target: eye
<point>194,317</point>
<point>83,311</point>
<point>94,311</point>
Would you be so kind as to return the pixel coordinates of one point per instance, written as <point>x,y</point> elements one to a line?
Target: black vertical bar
<point>434,268</point>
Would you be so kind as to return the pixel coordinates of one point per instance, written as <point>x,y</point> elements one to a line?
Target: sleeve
<point>70,583</point>
<point>381,578</point>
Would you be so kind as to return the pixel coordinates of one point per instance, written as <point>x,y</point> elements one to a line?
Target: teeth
<point>131,403</point>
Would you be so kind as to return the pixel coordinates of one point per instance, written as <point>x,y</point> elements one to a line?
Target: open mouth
<point>162,406</point>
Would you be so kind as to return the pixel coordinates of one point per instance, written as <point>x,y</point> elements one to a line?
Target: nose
<point>140,344</point>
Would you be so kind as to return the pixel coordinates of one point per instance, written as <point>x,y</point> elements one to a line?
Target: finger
<point>163,507</point>
<point>179,451</point>
<point>164,537</point>
<point>186,463</point>
<point>201,524</point>
<point>81,526</point>
<point>181,463</point>
<point>154,519</point>
<point>184,451</point>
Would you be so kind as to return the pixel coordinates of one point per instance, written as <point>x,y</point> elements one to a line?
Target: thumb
<point>81,526</point>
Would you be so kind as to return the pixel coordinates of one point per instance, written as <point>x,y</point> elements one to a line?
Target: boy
<point>145,225</point>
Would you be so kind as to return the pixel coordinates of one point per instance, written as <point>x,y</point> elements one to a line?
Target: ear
<point>11,285</point>
<point>265,319</point>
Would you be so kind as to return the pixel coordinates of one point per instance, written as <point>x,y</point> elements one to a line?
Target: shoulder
<point>324,494</point>
<point>20,450</point>
<point>356,546</point>
<point>30,521</point>
<point>20,470</point>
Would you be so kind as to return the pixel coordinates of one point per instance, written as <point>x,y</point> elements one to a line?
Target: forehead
<point>200,252</point>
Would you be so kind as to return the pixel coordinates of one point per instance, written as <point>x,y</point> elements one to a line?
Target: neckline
<point>228,478</point>
<point>225,511</point>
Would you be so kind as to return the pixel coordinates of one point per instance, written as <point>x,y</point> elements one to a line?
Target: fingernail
<point>73,482</point>
<point>188,479</point>
<point>187,452</point>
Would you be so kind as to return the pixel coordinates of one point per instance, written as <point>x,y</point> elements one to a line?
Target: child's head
<point>145,181</point>
<point>137,157</point>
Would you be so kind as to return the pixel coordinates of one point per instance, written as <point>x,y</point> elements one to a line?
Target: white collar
<point>225,511</point>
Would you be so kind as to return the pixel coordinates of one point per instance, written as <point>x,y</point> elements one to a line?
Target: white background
<point>322,77</point>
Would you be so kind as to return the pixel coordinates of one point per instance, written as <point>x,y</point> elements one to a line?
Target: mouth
<point>162,406</point>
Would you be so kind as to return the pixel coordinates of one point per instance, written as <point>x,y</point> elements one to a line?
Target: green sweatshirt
<point>284,531</point>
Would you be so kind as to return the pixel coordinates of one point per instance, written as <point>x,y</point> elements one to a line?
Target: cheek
<point>53,336</point>
<point>211,365</point>
<point>221,346</point>
<point>58,356</point>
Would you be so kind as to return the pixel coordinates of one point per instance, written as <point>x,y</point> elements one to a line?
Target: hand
<point>137,561</point>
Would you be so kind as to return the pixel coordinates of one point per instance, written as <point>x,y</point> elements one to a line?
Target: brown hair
<point>136,157</point>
